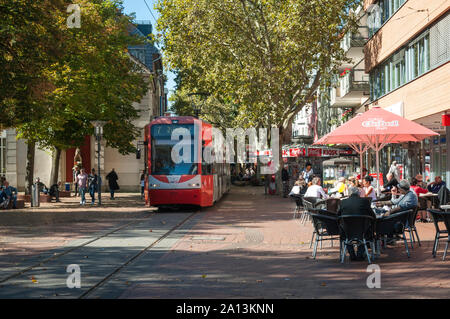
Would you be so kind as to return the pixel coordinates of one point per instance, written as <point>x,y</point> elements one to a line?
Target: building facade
<point>13,151</point>
<point>407,58</point>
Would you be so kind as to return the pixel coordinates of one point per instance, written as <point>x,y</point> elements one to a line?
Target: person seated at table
<point>355,205</point>
<point>11,193</point>
<point>369,191</point>
<point>422,214</point>
<point>435,186</point>
<point>407,200</point>
<point>300,187</point>
<point>420,181</point>
<point>315,190</point>
<point>391,182</point>
<point>365,172</point>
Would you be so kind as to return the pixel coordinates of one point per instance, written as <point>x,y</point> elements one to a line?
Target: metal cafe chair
<point>391,226</point>
<point>326,228</point>
<point>440,216</point>
<point>411,227</point>
<point>298,198</point>
<point>356,229</point>
<point>320,211</point>
<point>310,203</point>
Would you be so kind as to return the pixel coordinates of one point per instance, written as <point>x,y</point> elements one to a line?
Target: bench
<point>20,204</point>
<point>64,194</point>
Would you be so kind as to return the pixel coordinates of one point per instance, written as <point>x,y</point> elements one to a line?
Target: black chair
<point>311,203</point>
<point>393,225</point>
<point>333,204</point>
<point>411,227</point>
<point>356,229</point>
<point>326,228</point>
<point>440,216</point>
<point>298,198</point>
<point>320,211</point>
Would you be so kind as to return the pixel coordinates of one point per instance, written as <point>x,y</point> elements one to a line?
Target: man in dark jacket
<point>112,182</point>
<point>355,205</point>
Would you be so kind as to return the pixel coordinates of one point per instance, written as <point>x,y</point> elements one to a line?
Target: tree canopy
<point>269,57</point>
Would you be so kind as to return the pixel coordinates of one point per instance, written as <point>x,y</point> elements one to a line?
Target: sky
<point>142,13</point>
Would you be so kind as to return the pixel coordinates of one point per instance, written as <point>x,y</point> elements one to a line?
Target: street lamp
<point>98,125</point>
<point>197,107</point>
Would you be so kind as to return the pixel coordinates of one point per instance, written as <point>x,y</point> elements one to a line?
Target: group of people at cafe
<point>397,195</point>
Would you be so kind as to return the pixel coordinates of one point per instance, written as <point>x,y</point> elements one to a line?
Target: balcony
<point>355,40</point>
<point>351,89</point>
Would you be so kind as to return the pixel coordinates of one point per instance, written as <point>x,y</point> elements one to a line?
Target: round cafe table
<point>432,197</point>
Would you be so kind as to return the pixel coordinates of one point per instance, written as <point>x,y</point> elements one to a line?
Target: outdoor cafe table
<point>431,197</point>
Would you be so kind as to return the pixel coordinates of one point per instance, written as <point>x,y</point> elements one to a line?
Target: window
<point>403,66</point>
<point>3,153</point>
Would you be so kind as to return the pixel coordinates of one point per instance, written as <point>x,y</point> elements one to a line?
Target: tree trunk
<point>55,166</point>
<point>29,178</point>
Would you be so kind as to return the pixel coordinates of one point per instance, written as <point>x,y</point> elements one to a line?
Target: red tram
<point>194,182</point>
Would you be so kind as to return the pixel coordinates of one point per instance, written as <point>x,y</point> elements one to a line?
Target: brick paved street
<point>247,246</point>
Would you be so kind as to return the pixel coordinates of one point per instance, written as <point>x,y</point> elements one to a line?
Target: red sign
<point>446,120</point>
<point>315,152</point>
<point>374,175</point>
<point>285,153</point>
<point>346,152</point>
<point>326,152</point>
<point>296,152</point>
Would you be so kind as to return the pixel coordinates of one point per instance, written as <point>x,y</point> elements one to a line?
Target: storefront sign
<point>346,152</point>
<point>326,152</point>
<point>296,152</point>
<point>314,152</point>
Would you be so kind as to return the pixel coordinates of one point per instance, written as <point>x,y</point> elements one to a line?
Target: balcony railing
<point>355,80</point>
<point>355,40</point>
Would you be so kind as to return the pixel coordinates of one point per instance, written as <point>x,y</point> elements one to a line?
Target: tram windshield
<point>161,151</point>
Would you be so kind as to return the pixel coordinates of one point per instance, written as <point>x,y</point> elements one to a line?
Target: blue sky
<point>142,13</point>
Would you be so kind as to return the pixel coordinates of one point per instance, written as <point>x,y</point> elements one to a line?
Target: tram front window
<point>161,151</point>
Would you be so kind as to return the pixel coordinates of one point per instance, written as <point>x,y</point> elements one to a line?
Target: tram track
<point>136,256</point>
<point>65,252</point>
<point>15,280</point>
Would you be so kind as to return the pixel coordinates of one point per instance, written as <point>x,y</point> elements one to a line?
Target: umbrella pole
<point>360,161</point>
<point>378,169</point>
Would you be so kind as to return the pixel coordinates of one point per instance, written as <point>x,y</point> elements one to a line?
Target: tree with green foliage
<point>267,56</point>
<point>91,78</point>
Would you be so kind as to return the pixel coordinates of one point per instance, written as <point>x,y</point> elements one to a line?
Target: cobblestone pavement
<point>27,233</point>
<point>247,246</point>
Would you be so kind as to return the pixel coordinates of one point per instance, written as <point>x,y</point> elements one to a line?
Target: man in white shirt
<point>315,190</point>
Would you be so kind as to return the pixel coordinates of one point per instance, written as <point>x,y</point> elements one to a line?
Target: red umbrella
<point>376,128</point>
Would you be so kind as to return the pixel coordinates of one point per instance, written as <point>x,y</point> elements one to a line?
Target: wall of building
<point>401,27</point>
<point>423,96</point>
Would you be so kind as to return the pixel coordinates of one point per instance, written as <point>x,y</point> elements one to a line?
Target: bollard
<point>35,195</point>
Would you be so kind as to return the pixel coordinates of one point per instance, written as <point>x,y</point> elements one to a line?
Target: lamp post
<point>98,125</point>
<point>197,107</point>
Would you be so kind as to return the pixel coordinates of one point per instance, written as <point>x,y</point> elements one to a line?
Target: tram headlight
<point>195,185</point>
<point>154,185</point>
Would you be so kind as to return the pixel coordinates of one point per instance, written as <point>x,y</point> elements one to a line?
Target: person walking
<point>82,180</point>
<point>112,182</point>
<point>93,185</point>
<point>76,172</point>
<point>142,183</point>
